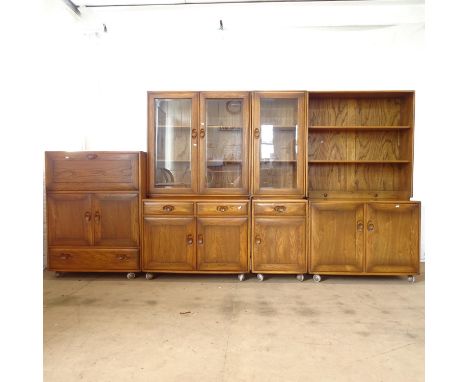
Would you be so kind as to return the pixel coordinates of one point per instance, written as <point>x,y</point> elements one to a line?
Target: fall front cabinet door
<point>222,244</point>
<point>169,243</point>
<point>365,238</point>
<point>279,244</point>
<point>392,243</point>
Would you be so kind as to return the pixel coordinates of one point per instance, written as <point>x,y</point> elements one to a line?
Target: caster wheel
<point>259,277</point>
<point>412,279</point>
<point>317,278</point>
<point>300,278</point>
<point>149,276</point>
<point>241,277</point>
<point>130,275</point>
<point>58,274</point>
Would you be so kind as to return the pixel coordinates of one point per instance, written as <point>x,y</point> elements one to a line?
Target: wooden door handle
<point>258,240</point>
<point>257,133</point>
<point>97,217</point>
<point>189,239</point>
<point>222,208</point>
<point>122,257</point>
<point>87,216</point>
<point>200,239</point>
<point>280,209</point>
<point>360,226</point>
<point>202,133</point>
<point>370,226</point>
<point>65,256</point>
<point>91,156</point>
<point>194,133</point>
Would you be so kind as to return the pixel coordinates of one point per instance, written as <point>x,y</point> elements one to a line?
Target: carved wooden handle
<point>122,257</point>
<point>257,133</point>
<point>194,133</point>
<point>97,217</point>
<point>189,239</point>
<point>65,256</point>
<point>87,216</point>
<point>168,208</point>
<point>200,239</point>
<point>91,156</point>
<point>280,209</point>
<point>202,133</point>
<point>370,226</point>
<point>258,240</point>
<point>360,226</point>
<point>222,208</point>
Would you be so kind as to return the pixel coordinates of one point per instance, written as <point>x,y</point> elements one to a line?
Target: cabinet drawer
<point>89,171</point>
<point>280,209</point>
<point>167,208</point>
<point>93,259</point>
<point>222,208</point>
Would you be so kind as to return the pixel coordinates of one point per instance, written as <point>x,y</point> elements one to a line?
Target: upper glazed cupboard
<point>200,143</point>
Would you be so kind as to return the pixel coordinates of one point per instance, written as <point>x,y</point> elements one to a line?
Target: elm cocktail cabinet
<point>93,211</point>
<point>289,182</point>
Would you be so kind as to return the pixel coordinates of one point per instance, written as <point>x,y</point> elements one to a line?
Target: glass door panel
<point>174,141</point>
<point>278,141</point>
<point>223,141</point>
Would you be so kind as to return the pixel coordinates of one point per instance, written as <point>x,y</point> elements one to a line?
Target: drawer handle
<point>189,239</point>
<point>202,133</point>
<point>194,133</point>
<point>123,257</point>
<point>200,239</point>
<point>87,216</point>
<point>91,156</point>
<point>258,240</point>
<point>257,133</point>
<point>168,208</point>
<point>280,209</point>
<point>222,208</point>
<point>360,226</point>
<point>370,226</point>
<point>65,256</point>
<point>97,217</point>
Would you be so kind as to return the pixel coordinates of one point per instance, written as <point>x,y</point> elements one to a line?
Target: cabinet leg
<point>300,278</point>
<point>260,277</point>
<point>317,278</point>
<point>149,276</point>
<point>130,275</point>
<point>411,279</point>
<point>241,276</point>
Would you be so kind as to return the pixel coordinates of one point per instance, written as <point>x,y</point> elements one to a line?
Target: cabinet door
<point>169,244</point>
<point>69,219</point>
<point>337,237</point>
<point>278,143</point>
<point>392,237</point>
<point>224,137</point>
<point>279,245</point>
<point>173,143</point>
<point>115,220</point>
<point>222,244</point>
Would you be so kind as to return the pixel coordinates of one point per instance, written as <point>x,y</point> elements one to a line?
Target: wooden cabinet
<point>196,236</point>
<point>94,226</point>
<point>198,143</point>
<point>278,143</point>
<point>364,238</point>
<point>279,237</point>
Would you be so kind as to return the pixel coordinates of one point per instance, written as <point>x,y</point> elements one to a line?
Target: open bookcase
<point>360,145</point>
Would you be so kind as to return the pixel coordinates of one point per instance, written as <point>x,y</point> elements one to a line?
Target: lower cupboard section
<point>356,238</point>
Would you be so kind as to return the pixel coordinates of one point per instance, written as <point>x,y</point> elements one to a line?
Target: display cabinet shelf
<point>331,127</point>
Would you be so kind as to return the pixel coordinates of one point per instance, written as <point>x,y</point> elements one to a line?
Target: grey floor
<point>103,327</point>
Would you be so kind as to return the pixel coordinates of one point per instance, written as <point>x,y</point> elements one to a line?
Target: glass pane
<point>173,122</point>
<point>224,137</point>
<point>278,143</point>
